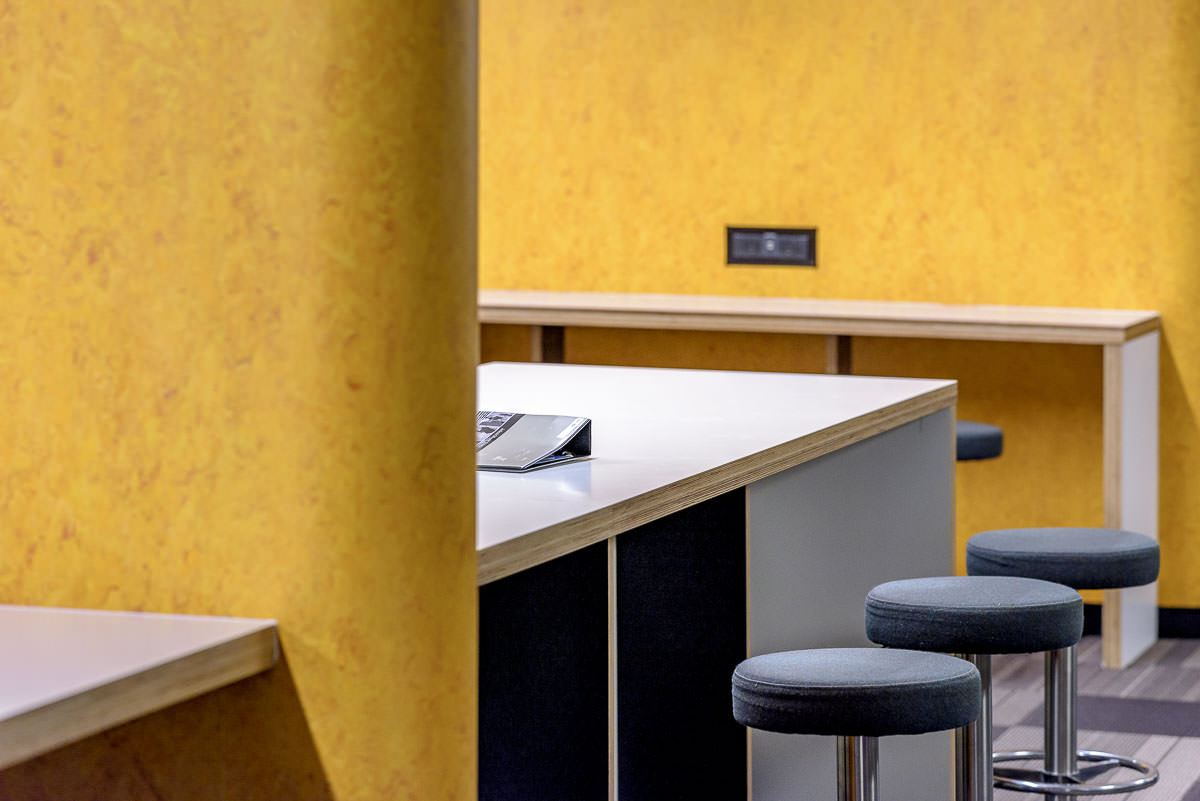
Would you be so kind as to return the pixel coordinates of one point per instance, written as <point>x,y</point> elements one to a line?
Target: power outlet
<point>795,247</point>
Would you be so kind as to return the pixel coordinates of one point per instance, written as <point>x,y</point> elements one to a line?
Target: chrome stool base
<point>1076,783</point>
<point>1061,776</point>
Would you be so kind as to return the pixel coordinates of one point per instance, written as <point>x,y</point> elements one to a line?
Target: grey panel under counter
<point>820,536</point>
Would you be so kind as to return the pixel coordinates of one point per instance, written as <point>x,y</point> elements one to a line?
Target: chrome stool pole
<point>973,742</point>
<point>1059,726</point>
<point>857,769</point>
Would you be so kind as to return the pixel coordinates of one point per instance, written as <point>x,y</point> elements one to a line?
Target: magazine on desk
<point>518,442</point>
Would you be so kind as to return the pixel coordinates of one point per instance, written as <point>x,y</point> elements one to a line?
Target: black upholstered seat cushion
<point>855,692</point>
<point>1083,558</point>
<point>977,440</point>
<point>974,615</point>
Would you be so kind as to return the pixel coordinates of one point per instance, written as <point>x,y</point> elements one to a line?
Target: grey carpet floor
<point>1150,711</point>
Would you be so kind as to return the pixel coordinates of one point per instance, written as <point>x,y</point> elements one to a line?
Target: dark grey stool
<point>857,695</point>
<point>975,617</point>
<point>1086,559</point>
<point>977,441</point>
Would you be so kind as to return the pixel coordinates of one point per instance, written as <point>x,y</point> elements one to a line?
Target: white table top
<point>663,440</point>
<point>68,673</point>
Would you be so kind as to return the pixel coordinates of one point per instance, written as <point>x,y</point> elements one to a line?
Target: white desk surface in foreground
<point>663,440</point>
<point>66,674</point>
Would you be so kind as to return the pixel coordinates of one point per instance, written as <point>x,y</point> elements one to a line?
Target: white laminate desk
<point>66,674</point>
<point>1130,340</point>
<point>722,514</point>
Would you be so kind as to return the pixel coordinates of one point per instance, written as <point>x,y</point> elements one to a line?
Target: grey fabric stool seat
<point>975,617</point>
<point>1086,559</point>
<point>977,441</point>
<point>856,695</point>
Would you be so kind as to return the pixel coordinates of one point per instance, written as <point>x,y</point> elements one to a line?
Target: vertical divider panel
<point>611,548</point>
<point>839,354</point>
<point>547,343</point>
<point>1131,381</point>
<point>681,612</point>
<point>544,709</point>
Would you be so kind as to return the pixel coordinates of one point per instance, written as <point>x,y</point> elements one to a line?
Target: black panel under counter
<point>543,681</point>
<point>681,630</point>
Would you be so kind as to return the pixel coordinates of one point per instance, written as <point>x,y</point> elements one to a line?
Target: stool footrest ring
<point>1076,783</point>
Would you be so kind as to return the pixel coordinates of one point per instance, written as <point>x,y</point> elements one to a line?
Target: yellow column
<point>237,340</point>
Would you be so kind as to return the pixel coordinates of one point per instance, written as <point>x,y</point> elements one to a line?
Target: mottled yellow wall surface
<point>974,151</point>
<point>237,343</point>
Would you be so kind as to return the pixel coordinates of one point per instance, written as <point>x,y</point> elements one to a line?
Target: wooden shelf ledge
<point>879,318</point>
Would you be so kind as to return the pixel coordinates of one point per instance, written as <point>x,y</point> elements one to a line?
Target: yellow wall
<point>971,151</point>
<point>236,365</point>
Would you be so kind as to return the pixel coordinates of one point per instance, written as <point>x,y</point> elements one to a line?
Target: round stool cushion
<point>977,440</point>
<point>1083,558</point>
<point>855,692</point>
<point>975,615</point>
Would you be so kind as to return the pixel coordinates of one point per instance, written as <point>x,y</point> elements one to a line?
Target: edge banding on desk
<point>510,557</point>
<point>220,652</point>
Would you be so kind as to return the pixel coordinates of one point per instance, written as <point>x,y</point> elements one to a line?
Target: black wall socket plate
<point>778,246</point>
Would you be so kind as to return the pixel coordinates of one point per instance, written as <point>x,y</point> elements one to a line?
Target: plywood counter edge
<point>540,546</point>
<point>79,715</point>
<point>817,316</point>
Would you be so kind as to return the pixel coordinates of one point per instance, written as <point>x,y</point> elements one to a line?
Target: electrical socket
<point>771,246</point>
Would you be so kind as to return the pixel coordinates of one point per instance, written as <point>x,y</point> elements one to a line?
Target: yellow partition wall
<point>969,151</point>
<point>237,341</point>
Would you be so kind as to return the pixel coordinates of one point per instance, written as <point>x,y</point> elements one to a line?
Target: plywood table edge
<point>934,321</point>
<point>541,546</point>
<point>83,714</point>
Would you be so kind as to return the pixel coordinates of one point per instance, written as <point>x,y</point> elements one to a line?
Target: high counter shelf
<point>830,317</point>
<point>1130,384</point>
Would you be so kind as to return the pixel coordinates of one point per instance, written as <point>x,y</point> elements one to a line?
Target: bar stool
<point>975,441</point>
<point>975,617</point>
<point>857,695</point>
<point>1086,559</point>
